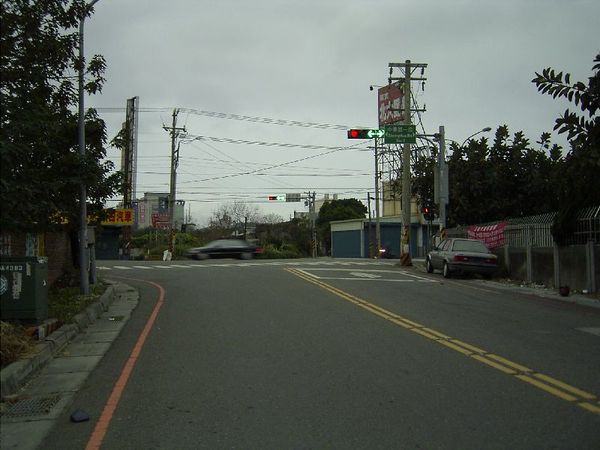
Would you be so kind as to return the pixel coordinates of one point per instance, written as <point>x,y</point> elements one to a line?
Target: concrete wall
<point>573,270</point>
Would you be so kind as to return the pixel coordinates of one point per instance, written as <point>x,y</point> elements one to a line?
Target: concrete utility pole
<point>407,67</point>
<point>405,248</point>
<point>174,131</point>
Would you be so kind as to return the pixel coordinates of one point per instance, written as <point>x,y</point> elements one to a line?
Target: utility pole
<point>407,66</point>
<point>443,178</point>
<point>313,219</point>
<point>174,131</point>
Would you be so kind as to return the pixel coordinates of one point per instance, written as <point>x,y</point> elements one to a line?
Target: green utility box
<point>24,288</point>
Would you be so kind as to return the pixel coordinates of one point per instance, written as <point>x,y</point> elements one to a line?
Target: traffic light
<point>368,133</point>
<point>277,198</point>
<point>428,213</point>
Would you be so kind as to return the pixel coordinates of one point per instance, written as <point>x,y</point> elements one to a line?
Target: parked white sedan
<point>462,255</point>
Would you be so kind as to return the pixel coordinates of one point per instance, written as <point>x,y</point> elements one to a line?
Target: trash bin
<point>24,288</point>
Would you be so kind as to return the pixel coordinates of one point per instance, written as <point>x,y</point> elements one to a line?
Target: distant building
<point>152,211</point>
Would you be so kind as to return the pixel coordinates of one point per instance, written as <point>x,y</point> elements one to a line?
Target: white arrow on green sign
<point>376,133</point>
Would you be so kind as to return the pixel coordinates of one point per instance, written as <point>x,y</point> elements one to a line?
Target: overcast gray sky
<point>313,61</point>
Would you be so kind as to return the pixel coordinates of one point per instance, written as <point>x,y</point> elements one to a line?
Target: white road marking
<point>365,275</point>
<point>595,331</point>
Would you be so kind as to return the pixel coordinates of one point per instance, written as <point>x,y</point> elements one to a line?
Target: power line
<point>238,117</point>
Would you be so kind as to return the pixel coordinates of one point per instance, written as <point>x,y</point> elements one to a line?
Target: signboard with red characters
<point>119,217</point>
<point>389,102</point>
<point>160,221</point>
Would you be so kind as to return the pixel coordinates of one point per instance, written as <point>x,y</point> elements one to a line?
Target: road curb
<point>542,292</point>
<point>15,375</point>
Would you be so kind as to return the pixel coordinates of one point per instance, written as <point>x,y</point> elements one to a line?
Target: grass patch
<point>63,304</point>
<point>14,342</point>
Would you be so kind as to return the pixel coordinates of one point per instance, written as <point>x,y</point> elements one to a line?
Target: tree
<point>579,185</point>
<point>508,179</point>
<point>41,168</point>
<point>423,178</point>
<point>343,209</point>
<point>233,215</point>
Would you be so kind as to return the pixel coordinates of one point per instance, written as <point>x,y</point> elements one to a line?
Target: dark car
<point>462,255</point>
<point>225,248</point>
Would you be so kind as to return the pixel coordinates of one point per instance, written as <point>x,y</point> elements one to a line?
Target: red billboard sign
<point>160,221</point>
<point>491,235</point>
<point>389,102</point>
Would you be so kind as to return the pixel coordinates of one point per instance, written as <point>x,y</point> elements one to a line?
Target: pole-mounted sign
<point>400,134</point>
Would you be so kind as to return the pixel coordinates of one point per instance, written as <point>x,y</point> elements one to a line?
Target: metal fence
<point>536,231</point>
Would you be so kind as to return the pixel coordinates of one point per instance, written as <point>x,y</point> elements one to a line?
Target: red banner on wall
<point>491,235</point>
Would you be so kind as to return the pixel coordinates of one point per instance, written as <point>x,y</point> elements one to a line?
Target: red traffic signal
<point>358,134</point>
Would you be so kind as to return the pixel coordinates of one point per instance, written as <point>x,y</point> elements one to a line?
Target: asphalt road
<point>298,355</point>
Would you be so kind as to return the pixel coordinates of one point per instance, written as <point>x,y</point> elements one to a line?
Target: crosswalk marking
<point>304,263</point>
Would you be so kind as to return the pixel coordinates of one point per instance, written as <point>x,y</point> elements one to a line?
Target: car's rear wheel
<point>447,272</point>
<point>246,255</point>
<point>429,266</point>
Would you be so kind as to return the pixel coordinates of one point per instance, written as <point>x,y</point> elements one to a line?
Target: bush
<point>286,251</point>
<point>14,342</point>
<point>65,303</point>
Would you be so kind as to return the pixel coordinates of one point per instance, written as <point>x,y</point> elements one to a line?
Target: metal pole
<point>84,286</point>
<point>405,259</point>
<point>369,234</point>
<point>443,178</point>
<point>377,222</point>
<point>84,283</point>
<point>313,220</point>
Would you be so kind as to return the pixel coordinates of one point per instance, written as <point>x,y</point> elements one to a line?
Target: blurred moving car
<point>225,248</point>
<point>462,255</point>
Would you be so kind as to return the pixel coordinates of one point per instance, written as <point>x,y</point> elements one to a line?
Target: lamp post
<point>84,282</point>
<point>484,130</point>
<point>442,195</point>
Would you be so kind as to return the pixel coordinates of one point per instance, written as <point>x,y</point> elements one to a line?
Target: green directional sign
<point>400,134</point>
<point>376,133</point>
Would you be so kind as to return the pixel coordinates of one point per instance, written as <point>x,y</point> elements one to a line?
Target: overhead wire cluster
<point>242,168</point>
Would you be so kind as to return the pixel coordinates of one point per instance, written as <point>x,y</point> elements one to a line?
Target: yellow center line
<point>560,389</point>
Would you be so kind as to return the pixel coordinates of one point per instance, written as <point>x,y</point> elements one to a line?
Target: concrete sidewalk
<point>36,391</point>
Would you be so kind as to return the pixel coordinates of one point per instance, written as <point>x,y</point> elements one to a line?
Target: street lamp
<point>484,130</point>
<point>84,282</point>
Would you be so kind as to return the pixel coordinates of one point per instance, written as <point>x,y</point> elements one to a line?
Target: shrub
<point>286,251</point>
<point>14,342</point>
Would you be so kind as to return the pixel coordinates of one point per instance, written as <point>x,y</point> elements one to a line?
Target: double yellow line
<point>559,389</point>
